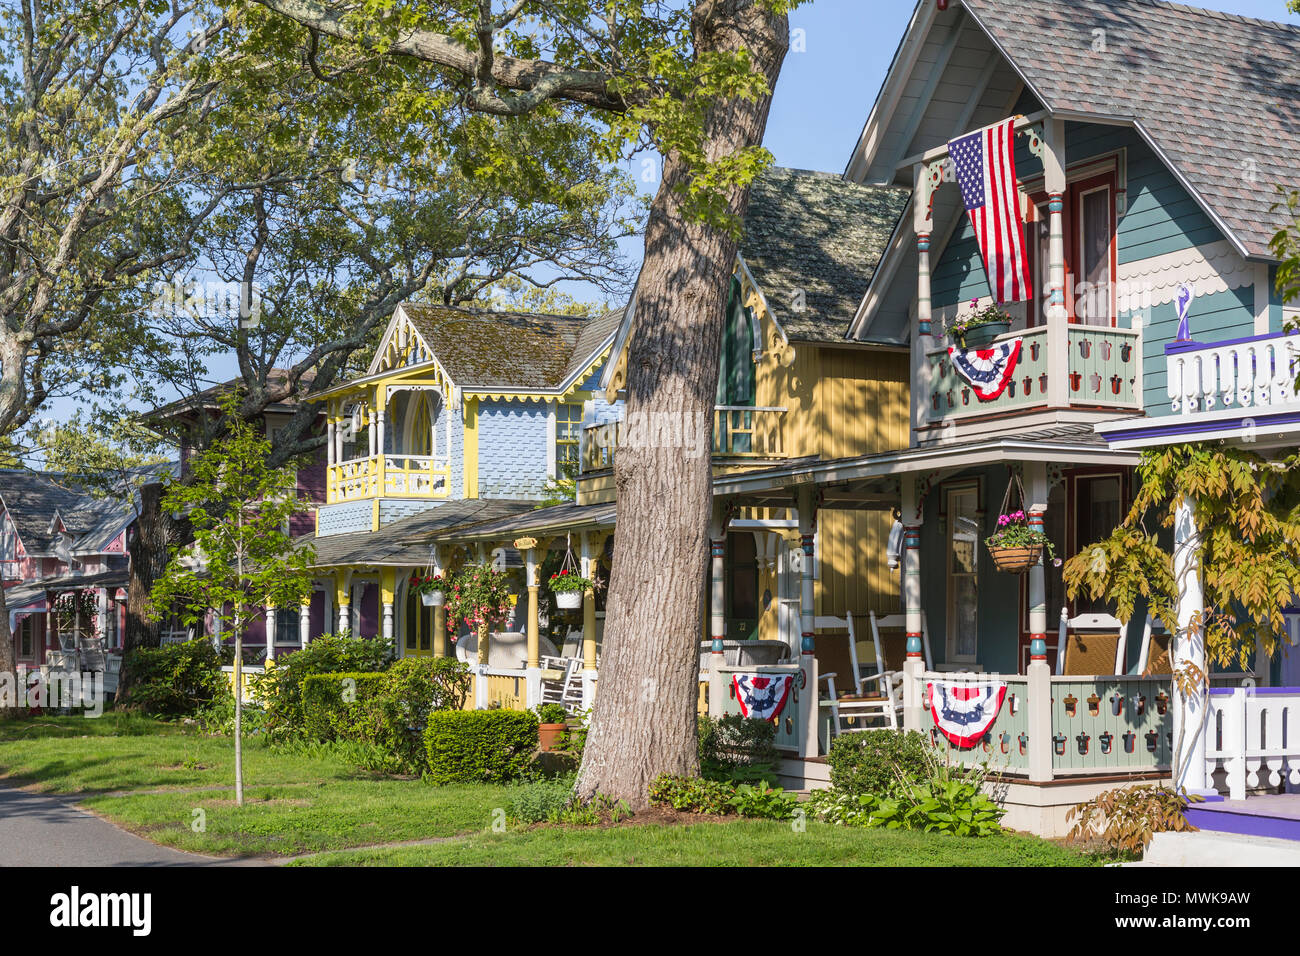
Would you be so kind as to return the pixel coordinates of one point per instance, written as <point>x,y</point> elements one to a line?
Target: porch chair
<point>882,702</point>
<point>1091,644</point>
<point>556,674</point>
<point>1155,656</point>
<point>895,649</point>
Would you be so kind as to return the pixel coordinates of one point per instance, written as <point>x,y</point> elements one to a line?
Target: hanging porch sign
<point>988,371</point>
<point>762,696</point>
<point>963,711</point>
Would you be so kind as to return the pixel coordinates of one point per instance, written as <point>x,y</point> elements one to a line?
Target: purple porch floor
<point>1271,815</point>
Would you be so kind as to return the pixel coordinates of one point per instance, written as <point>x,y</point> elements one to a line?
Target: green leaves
<point>242,556</point>
<point>1246,510</point>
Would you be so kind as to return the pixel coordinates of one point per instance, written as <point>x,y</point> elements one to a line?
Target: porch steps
<point>1275,816</point>
<point>1209,848</point>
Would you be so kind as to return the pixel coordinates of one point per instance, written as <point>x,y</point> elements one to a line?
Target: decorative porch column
<point>588,625</point>
<point>921,225</point>
<point>1056,313</point>
<point>387,595</point>
<point>304,623</point>
<point>270,632</point>
<point>439,611</point>
<point>344,586</point>
<point>806,503</point>
<point>1188,653</point>
<point>914,663</point>
<point>1036,475</point>
<point>533,666</point>
<point>717,603</point>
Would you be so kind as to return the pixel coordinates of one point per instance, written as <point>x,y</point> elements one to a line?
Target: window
<point>286,625</point>
<point>568,428</point>
<point>27,638</point>
<point>741,569</point>
<point>1097,511</point>
<point>963,562</point>
<point>1088,230</point>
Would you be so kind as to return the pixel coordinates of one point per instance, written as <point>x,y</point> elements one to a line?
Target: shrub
<point>396,712</point>
<point>881,762</point>
<point>218,716</point>
<point>280,690</point>
<point>760,800</point>
<point>479,746</point>
<point>718,797</point>
<point>737,748</point>
<point>1126,818</point>
<point>533,801</point>
<point>175,680</point>
<point>334,706</point>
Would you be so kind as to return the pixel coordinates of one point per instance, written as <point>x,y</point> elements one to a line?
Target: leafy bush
<point>737,748</point>
<point>334,706</point>
<point>218,716</point>
<point>280,690</point>
<point>950,799</point>
<point>397,710</point>
<point>717,797</point>
<point>479,746</point>
<point>1126,818</point>
<point>533,801</point>
<point>175,680</point>
<point>881,762</point>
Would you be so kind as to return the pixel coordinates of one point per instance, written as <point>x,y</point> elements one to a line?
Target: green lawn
<point>151,777</point>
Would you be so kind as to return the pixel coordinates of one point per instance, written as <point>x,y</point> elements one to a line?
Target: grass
<point>738,843</point>
<point>173,785</point>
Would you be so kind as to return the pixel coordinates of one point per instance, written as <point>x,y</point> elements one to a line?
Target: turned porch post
<point>809,713</point>
<point>532,668</point>
<point>914,664</point>
<point>387,595</point>
<point>1036,509</point>
<point>269,615</point>
<point>588,625</point>
<point>717,604</point>
<point>1058,365</point>
<point>1188,653</point>
<point>921,225</point>
<point>304,623</point>
<point>439,611</point>
<point>344,585</point>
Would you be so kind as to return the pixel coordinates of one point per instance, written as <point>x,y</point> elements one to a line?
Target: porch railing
<point>1005,746</point>
<point>389,476</point>
<point>739,431</point>
<point>1102,367</point>
<point>1254,735</point>
<point>1250,373</point>
<point>1111,723</point>
<point>793,721</point>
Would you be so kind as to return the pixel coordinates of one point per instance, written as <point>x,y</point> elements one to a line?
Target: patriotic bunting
<point>990,370</point>
<point>762,696</point>
<point>964,711</point>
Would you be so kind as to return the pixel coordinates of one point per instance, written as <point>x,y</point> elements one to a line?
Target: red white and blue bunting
<point>762,696</point>
<point>987,370</point>
<point>964,711</point>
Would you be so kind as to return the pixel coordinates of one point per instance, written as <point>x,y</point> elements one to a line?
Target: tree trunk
<point>156,533</point>
<point>8,661</point>
<point>644,722</point>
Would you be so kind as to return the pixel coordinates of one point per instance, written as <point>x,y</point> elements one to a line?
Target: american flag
<point>986,170</point>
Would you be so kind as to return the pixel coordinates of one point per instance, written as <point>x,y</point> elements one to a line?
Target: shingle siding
<point>343,518</point>
<point>512,449</point>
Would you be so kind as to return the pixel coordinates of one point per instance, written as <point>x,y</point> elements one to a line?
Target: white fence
<point>1253,730</point>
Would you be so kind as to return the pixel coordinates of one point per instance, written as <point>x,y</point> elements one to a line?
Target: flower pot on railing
<point>982,336</point>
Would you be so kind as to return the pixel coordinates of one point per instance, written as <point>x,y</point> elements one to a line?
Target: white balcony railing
<point>1255,373</point>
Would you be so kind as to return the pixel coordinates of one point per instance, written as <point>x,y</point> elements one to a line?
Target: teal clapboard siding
<point>1215,317</point>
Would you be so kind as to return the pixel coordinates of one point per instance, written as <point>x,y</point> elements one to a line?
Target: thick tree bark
<point>156,532</point>
<point>645,713</point>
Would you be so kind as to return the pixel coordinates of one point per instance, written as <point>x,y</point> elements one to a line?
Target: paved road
<point>40,830</point>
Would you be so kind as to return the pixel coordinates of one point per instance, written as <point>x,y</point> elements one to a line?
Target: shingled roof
<point>523,350</point>
<point>819,233</point>
<point>1219,94</point>
<point>38,503</point>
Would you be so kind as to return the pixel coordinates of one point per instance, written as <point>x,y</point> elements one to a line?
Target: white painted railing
<point>1251,730</point>
<point>1257,372</point>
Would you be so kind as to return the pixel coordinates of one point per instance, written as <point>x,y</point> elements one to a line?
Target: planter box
<point>982,336</point>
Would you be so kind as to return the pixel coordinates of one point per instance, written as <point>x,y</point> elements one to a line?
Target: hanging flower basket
<point>1015,558</point>
<point>429,587</point>
<point>568,585</point>
<point>568,600</point>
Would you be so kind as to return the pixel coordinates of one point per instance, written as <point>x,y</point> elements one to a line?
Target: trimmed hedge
<point>326,715</point>
<point>479,746</point>
<point>878,762</point>
<point>280,690</point>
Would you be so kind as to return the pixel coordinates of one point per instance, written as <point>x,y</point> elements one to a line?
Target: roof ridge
<point>1218,14</point>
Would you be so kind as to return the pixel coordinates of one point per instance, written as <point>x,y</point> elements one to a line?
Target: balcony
<point>1100,369</point>
<point>1251,374</point>
<point>388,476</point>
<point>740,432</point>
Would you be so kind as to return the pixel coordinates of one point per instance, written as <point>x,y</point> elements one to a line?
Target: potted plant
<point>1016,546</point>
<point>979,327</point>
<point>430,588</point>
<point>568,587</point>
<point>552,726</point>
